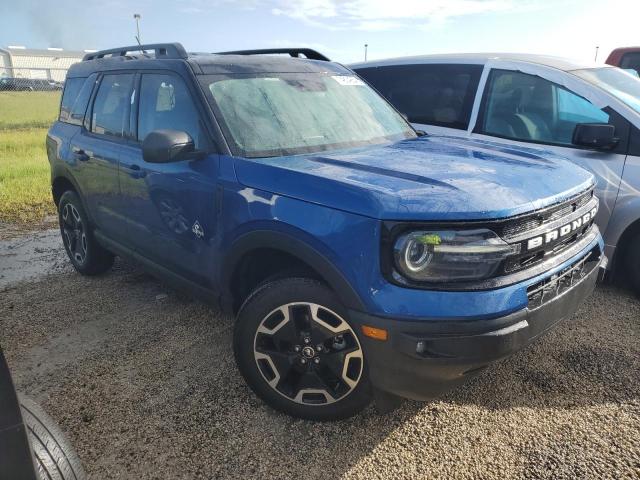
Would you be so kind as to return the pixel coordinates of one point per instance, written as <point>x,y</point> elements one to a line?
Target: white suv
<point>589,114</point>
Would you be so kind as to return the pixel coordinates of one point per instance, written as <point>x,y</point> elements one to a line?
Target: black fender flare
<point>293,246</point>
<point>60,173</point>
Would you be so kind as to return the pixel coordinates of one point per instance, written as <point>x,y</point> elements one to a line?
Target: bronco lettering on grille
<point>563,231</point>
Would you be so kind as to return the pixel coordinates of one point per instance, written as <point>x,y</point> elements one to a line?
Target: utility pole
<point>137,17</point>
<point>596,57</point>
<point>365,51</point>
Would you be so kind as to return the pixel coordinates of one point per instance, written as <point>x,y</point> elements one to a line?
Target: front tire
<point>297,351</point>
<point>87,256</point>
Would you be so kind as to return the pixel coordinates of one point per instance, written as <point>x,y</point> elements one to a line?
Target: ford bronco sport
<point>361,258</point>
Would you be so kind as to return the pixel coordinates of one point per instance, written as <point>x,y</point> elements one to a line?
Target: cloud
<point>377,15</point>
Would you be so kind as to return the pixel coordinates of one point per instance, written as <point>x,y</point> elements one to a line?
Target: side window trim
<point>134,109</point>
<point>478,100</point>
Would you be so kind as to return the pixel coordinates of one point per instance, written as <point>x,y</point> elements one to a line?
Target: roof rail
<point>161,50</point>
<point>294,52</point>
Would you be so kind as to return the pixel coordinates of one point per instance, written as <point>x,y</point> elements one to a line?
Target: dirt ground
<point>143,381</point>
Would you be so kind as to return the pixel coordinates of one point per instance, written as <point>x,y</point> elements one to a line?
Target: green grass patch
<point>19,110</point>
<point>25,185</point>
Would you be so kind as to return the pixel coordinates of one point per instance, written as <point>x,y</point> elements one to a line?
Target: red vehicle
<point>627,58</point>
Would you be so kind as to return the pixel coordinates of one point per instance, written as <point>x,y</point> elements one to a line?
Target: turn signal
<point>375,333</point>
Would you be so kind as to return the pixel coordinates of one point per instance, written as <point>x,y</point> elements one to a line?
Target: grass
<point>25,191</point>
<point>20,110</point>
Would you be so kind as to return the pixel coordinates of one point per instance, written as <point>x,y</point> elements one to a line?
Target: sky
<point>337,28</point>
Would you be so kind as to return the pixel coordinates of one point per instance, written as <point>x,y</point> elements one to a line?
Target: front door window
<point>529,108</point>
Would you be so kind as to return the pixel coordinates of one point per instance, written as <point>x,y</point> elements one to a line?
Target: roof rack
<point>294,52</point>
<point>161,50</point>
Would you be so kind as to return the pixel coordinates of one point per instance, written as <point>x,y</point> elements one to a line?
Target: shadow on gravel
<point>144,381</point>
<point>590,359</point>
<point>143,378</point>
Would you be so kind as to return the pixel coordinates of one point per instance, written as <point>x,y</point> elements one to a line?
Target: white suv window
<point>430,94</point>
<point>529,108</point>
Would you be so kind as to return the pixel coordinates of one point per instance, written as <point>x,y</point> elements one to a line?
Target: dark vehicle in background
<point>627,58</point>
<point>32,446</point>
<point>17,84</point>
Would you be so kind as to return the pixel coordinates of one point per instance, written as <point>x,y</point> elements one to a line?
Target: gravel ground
<point>143,381</point>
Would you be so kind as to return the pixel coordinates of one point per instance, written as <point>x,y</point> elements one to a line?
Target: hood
<point>428,178</point>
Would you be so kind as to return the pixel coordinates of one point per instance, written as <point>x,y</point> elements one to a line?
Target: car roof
<point>203,63</point>
<point>559,63</point>
<point>212,63</point>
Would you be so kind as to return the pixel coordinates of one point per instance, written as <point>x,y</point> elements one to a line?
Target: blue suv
<point>361,258</point>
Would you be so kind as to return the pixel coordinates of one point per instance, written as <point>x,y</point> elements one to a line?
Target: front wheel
<point>297,351</point>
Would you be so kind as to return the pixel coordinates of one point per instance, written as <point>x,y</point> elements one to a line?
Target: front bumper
<point>424,359</point>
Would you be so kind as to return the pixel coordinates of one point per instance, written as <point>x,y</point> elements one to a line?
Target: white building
<point>51,64</point>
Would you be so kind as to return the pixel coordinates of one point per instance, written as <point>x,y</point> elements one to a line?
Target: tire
<point>295,348</point>
<point>54,456</point>
<point>87,256</point>
<point>632,262</point>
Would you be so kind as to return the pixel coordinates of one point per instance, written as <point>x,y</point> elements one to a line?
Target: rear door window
<point>111,107</point>
<point>431,94</point>
<point>75,99</point>
<point>631,61</point>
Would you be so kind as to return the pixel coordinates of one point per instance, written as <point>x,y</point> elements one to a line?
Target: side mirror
<point>600,136</point>
<point>164,146</point>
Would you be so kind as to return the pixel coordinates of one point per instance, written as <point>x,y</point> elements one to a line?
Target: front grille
<point>528,222</point>
<point>538,224</point>
<point>546,290</point>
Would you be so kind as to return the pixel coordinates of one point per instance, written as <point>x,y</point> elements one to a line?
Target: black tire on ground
<point>54,455</point>
<point>275,296</point>
<point>87,256</point>
<point>632,262</point>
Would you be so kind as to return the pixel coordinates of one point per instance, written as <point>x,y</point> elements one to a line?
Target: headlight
<point>450,255</point>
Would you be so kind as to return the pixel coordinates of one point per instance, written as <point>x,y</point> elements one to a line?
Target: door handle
<point>135,171</point>
<point>80,154</point>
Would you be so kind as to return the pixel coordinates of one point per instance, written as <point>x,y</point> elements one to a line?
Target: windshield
<point>623,85</point>
<point>287,114</point>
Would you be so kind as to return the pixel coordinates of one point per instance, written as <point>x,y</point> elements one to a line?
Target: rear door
<point>171,207</point>
<point>96,150</point>
<point>528,110</point>
<point>437,98</point>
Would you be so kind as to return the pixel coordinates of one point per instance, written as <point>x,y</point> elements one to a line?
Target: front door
<point>171,211</point>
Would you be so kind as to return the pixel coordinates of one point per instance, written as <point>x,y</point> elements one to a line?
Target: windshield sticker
<point>348,80</point>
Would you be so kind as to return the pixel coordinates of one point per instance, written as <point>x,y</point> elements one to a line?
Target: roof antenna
<point>137,18</point>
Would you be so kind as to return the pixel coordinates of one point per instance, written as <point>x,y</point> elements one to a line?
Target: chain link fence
<point>31,79</point>
<point>25,69</point>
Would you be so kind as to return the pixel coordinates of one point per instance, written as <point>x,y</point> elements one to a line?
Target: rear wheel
<point>86,254</point>
<point>297,351</point>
